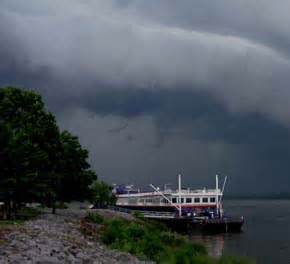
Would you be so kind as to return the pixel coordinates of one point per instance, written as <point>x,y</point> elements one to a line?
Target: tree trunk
<point>53,207</point>
<point>8,209</point>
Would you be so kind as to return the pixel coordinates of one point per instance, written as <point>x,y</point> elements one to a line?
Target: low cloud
<point>156,87</point>
<point>95,42</point>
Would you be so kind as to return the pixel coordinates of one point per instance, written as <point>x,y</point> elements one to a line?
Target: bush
<point>137,214</point>
<point>153,242</point>
<point>114,233</point>
<point>147,241</point>
<point>26,213</point>
<point>95,218</point>
<point>135,231</point>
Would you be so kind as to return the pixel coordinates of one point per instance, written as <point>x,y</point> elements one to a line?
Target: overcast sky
<point>153,87</point>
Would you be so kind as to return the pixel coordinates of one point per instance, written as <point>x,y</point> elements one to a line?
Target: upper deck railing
<point>189,191</point>
<point>174,192</point>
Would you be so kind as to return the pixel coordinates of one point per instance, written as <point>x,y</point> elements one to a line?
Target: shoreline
<point>77,236</point>
<point>57,239</point>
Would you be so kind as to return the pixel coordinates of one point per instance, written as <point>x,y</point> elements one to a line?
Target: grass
<point>22,215</point>
<point>4,223</point>
<point>95,218</point>
<point>150,241</point>
<point>27,213</point>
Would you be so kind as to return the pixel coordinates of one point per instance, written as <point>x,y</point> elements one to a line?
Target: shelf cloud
<point>197,76</point>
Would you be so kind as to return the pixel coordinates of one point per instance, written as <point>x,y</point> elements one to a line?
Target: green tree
<point>38,162</point>
<point>102,194</point>
<point>30,147</point>
<point>76,175</point>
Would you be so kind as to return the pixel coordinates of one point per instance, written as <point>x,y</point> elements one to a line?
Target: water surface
<point>265,236</point>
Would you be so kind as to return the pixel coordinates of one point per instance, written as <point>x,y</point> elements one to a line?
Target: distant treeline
<point>274,196</point>
<point>39,162</point>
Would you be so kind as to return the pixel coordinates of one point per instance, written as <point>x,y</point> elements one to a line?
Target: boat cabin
<point>186,200</point>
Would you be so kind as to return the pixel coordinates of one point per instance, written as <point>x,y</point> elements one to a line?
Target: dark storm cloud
<point>209,117</point>
<point>166,81</point>
<point>206,138</point>
<point>101,41</point>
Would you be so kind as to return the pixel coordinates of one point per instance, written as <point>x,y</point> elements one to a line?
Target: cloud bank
<point>198,86</point>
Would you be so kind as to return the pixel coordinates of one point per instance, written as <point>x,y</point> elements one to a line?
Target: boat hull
<point>210,226</point>
<point>222,225</point>
<point>186,223</point>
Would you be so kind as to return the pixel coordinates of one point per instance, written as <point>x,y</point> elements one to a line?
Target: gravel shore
<point>57,239</point>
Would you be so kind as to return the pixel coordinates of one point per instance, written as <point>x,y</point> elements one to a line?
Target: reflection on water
<point>266,232</point>
<point>213,243</point>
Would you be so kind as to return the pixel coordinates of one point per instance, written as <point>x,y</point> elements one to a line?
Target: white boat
<point>184,201</point>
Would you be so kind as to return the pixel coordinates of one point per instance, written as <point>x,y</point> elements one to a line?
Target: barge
<point>180,208</point>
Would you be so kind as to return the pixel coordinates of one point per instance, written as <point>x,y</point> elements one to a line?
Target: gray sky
<point>153,88</point>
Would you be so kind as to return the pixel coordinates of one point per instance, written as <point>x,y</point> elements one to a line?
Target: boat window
<point>197,200</point>
<point>164,201</point>
<point>205,200</point>
<point>212,199</point>
<point>173,200</point>
<point>156,200</point>
<point>181,200</point>
<point>188,200</point>
<point>132,201</point>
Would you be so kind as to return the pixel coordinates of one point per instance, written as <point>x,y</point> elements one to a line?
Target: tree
<point>30,147</point>
<point>102,194</point>
<point>38,162</point>
<point>75,175</point>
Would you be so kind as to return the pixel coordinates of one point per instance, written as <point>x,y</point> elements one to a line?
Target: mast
<point>179,193</point>
<point>217,194</point>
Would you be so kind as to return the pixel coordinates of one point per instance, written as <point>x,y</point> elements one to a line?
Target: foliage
<point>26,213</point>
<point>38,163</point>
<point>30,147</point>
<point>102,194</point>
<point>75,170</point>
<point>96,218</point>
<point>137,214</point>
<point>149,241</point>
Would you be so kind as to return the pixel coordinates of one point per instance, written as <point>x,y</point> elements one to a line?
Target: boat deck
<point>224,224</point>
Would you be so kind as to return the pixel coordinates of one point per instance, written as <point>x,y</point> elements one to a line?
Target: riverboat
<point>182,200</point>
<point>183,207</point>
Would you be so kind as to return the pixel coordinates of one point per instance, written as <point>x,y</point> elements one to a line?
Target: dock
<point>173,220</point>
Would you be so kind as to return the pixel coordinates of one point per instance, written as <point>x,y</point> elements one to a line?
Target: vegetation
<point>102,195</point>
<point>38,162</point>
<point>95,218</point>
<point>23,214</point>
<point>151,241</point>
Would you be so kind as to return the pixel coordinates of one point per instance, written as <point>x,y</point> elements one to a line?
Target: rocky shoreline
<point>57,239</point>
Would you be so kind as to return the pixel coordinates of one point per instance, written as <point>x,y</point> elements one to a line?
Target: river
<point>266,232</point>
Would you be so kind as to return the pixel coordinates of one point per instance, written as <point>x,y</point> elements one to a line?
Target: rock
<point>57,239</point>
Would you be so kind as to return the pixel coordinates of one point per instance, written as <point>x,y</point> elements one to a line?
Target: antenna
<point>224,184</point>
<point>223,188</point>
